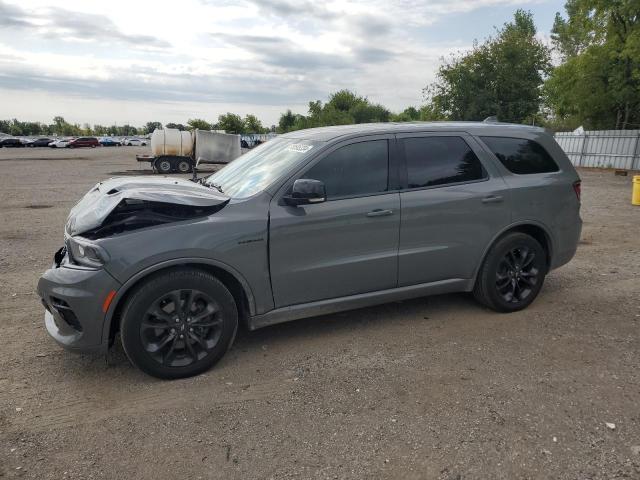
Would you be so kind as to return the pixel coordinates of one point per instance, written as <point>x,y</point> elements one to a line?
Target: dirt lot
<point>435,388</point>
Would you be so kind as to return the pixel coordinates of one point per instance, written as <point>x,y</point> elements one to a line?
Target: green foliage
<point>286,122</point>
<point>344,107</point>
<point>198,123</point>
<point>231,123</point>
<point>179,126</point>
<point>598,85</point>
<point>149,127</point>
<point>500,77</point>
<point>253,125</point>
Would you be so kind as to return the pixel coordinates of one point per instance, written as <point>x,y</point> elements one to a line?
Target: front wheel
<point>179,324</point>
<point>163,165</point>
<point>512,274</point>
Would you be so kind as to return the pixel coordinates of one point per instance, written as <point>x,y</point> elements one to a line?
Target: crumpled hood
<point>91,211</point>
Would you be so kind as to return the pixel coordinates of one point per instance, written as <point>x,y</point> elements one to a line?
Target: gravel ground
<point>434,388</point>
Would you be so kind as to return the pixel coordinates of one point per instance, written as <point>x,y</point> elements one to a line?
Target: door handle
<point>492,199</point>
<point>378,212</point>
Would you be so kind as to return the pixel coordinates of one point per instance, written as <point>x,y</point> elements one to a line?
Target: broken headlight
<point>86,253</point>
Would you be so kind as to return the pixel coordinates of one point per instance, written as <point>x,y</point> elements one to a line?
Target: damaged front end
<point>132,214</point>
<point>119,205</point>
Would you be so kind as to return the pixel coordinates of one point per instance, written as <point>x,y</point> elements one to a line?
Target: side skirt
<point>333,305</point>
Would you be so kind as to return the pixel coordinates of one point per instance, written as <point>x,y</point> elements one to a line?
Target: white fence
<point>602,148</point>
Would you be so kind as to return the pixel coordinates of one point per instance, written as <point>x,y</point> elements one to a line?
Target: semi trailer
<point>174,150</point>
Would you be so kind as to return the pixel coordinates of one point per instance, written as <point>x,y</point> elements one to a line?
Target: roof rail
<point>492,119</point>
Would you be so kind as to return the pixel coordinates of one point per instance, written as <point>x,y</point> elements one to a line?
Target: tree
<point>252,124</point>
<point>198,123</point>
<point>149,127</point>
<point>501,77</point>
<point>286,122</point>
<point>344,100</point>
<point>598,85</point>
<point>179,126</point>
<point>409,114</point>
<point>367,113</point>
<point>231,123</point>
<point>343,108</point>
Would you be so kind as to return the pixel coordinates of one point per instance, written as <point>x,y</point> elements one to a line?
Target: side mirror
<point>306,191</point>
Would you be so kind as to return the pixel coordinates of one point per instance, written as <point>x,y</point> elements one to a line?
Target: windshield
<point>256,170</point>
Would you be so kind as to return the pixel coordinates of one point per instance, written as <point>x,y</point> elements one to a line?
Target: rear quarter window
<point>520,155</point>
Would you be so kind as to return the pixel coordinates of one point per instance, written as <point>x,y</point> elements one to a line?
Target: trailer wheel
<point>163,165</point>
<point>184,166</point>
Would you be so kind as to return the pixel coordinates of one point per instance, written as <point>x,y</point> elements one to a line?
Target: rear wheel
<point>512,274</point>
<point>184,166</point>
<point>179,324</point>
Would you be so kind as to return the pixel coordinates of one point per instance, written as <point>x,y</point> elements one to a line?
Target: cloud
<point>150,81</point>
<point>12,16</point>
<point>300,9</point>
<point>265,54</point>
<point>284,53</point>
<point>62,24</point>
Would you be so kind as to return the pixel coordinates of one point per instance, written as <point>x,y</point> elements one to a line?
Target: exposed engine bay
<point>118,205</point>
<point>132,214</point>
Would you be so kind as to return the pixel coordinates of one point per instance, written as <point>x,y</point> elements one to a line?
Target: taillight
<point>577,188</point>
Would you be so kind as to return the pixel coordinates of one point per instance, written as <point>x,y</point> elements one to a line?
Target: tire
<point>183,166</point>
<point>163,165</point>
<point>170,343</point>
<point>512,273</point>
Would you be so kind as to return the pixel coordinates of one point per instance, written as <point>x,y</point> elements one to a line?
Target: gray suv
<point>312,222</point>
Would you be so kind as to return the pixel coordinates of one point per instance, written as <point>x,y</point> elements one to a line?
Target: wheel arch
<point>532,228</point>
<point>232,280</point>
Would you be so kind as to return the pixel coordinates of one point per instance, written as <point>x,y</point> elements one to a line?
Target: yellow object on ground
<point>635,195</point>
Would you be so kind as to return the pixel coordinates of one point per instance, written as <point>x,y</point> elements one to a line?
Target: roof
<point>324,134</point>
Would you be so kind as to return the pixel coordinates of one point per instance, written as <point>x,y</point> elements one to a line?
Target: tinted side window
<point>521,156</point>
<point>356,169</point>
<point>439,161</point>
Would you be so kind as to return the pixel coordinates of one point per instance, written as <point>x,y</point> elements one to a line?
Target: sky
<point>131,62</point>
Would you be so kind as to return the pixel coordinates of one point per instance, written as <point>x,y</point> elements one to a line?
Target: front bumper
<point>73,298</point>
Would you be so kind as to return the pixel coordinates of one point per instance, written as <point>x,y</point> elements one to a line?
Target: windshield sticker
<point>299,148</point>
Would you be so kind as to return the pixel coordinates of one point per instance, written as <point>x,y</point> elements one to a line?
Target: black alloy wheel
<point>512,273</point>
<point>181,327</point>
<point>517,274</point>
<point>178,323</point>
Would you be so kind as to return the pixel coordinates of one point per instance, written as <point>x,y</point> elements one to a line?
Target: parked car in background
<point>110,142</point>
<point>11,143</point>
<point>84,142</point>
<point>134,142</point>
<point>312,222</point>
<point>39,142</point>
<point>60,143</point>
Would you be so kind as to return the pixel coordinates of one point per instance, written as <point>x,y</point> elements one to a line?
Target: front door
<point>346,245</point>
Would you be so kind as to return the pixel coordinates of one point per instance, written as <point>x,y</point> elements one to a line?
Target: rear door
<point>454,202</point>
<point>348,244</point>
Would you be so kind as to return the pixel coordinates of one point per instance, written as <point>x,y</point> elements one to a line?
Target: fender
<point>504,230</point>
<point>126,286</point>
